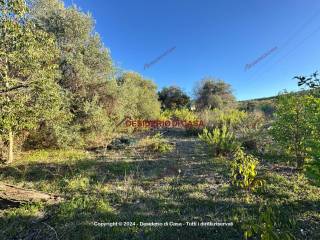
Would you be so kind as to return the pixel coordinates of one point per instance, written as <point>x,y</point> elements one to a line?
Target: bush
<point>184,115</point>
<point>137,97</point>
<point>267,109</point>
<point>243,170</point>
<point>217,117</point>
<point>156,143</point>
<point>248,131</point>
<point>271,224</point>
<point>220,139</point>
<point>179,114</point>
<point>296,127</point>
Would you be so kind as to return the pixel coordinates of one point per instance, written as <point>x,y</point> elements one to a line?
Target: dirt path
<point>189,161</point>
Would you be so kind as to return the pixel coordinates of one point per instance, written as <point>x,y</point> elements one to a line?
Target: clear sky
<point>212,38</point>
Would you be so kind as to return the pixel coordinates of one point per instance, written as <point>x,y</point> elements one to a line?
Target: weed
<point>221,140</point>
<point>243,170</point>
<point>270,225</point>
<point>156,144</point>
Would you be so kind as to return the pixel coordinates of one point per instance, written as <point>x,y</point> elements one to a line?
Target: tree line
<point>58,84</point>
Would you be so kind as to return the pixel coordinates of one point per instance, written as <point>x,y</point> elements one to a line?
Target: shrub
<point>193,123</point>
<point>156,143</point>
<point>251,122</point>
<point>249,129</point>
<point>179,114</point>
<point>166,115</point>
<point>137,96</point>
<point>221,139</point>
<point>185,115</point>
<point>296,127</point>
<point>243,170</point>
<point>268,109</point>
<point>271,224</point>
<point>217,117</point>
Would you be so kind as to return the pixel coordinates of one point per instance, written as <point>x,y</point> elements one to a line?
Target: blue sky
<point>212,38</point>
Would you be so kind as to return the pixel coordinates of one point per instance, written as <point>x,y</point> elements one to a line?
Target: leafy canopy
<point>173,98</point>
<point>28,70</point>
<point>212,93</point>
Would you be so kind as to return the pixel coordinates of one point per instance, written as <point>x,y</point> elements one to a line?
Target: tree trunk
<point>10,151</point>
<point>300,162</point>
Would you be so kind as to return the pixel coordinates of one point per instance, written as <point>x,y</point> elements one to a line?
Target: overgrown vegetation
<point>64,89</point>
<point>295,127</point>
<point>156,143</point>
<point>222,141</point>
<point>244,170</point>
<point>268,224</point>
<point>63,106</point>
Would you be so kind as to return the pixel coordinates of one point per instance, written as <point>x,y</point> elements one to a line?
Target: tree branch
<point>13,88</point>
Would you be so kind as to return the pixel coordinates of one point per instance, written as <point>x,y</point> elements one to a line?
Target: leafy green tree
<point>213,93</point>
<point>313,83</point>
<point>85,63</point>
<point>313,110</point>
<point>86,67</point>
<point>99,100</point>
<point>296,124</point>
<point>173,98</point>
<point>138,96</point>
<point>29,92</point>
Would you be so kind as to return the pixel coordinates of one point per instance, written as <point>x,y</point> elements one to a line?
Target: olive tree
<point>28,72</point>
<point>212,93</point>
<point>138,96</point>
<point>173,98</point>
<point>86,70</point>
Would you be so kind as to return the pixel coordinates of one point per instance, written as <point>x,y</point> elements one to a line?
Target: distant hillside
<point>259,99</point>
<point>272,98</point>
<point>266,104</point>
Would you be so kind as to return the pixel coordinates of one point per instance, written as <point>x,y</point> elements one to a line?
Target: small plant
<point>161,144</point>
<point>222,140</point>
<point>156,143</point>
<point>269,225</point>
<point>243,170</point>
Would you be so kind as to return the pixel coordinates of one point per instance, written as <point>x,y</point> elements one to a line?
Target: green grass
<point>139,188</point>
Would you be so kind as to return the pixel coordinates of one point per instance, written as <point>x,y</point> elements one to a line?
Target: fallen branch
<point>17,195</point>
<point>2,91</point>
